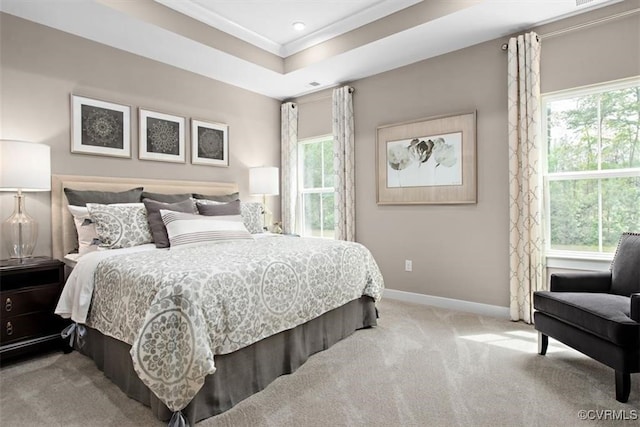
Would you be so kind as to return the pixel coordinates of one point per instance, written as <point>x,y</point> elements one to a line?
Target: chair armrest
<point>591,281</point>
<point>635,307</point>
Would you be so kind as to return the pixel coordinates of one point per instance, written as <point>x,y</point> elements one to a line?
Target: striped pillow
<point>189,229</point>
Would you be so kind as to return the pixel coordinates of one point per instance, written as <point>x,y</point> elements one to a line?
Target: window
<point>315,187</point>
<point>592,182</point>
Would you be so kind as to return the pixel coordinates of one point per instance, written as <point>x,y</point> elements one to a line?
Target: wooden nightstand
<point>29,292</point>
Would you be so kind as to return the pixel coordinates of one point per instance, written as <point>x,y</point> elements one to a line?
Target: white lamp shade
<point>264,180</point>
<point>24,166</point>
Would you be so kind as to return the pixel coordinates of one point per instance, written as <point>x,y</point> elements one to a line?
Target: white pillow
<point>88,239</point>
<point>121,225</point>
<point>186,229</point>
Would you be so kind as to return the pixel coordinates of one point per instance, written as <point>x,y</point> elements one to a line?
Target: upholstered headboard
<point>63,232</point>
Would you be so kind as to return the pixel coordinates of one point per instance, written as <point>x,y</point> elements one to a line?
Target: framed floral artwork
<point>100,127</point>
<point>431,161</point>
<point>161,137</point>
<point>209,143</point>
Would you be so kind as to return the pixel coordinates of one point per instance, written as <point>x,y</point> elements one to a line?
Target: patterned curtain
<point>527,269</point>
<point>344,164</point>
<point>289,164</point>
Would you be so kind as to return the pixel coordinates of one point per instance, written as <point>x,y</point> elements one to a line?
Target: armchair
<point>597,313</point>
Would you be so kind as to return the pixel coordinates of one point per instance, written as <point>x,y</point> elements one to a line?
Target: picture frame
<point>430,161</point>
<point>161,136</point>
<point>100,127</point>
<point>209,143</point>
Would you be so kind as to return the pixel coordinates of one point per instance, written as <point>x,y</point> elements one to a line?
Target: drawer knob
<point>9,328</point>
<point>8,305</point>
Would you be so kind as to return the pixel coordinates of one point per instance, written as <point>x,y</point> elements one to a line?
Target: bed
<point>191,331</point>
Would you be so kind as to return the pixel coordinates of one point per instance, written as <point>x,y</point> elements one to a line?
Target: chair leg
<point>623,386</point>
<point>543,343</point>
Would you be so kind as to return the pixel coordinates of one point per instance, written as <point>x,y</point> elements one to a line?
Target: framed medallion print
<point>161,137</point>
<point>100,127</point>
<point>209,143</point>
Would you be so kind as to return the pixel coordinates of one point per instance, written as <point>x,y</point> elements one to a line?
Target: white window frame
<point>316,190</point>
<point>577,259</point>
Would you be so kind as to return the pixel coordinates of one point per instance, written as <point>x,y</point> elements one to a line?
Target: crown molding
<point>206,16</point>
<point>357,20</point>
<point>373,13</point>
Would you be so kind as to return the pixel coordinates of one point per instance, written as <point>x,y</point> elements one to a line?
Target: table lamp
<point>264,181</point>
<point>24,166</point>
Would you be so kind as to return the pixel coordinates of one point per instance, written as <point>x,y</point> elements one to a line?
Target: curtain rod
<point>323,97</point>
<point>583,25</point>
<point>316,99</point>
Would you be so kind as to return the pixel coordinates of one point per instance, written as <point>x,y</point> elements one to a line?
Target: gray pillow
<point>82,197</point>
<point>219,198</point>
<point>230,208</point>
<point>166,198</point>
<point>158,229</point>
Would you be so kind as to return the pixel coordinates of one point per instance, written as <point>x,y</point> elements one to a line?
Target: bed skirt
<point>241,373</point>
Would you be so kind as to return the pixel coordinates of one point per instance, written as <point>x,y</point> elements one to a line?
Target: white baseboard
<point>449,303</point>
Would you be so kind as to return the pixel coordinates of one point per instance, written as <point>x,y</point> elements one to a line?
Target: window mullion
<point>600,244</point>
<point>595,174</point>
<point>599,169</point>
<point>599,158</point>
<point>300,223</point>
<point>321,215</point>
<point>317,190</point>
<point>322,164</point>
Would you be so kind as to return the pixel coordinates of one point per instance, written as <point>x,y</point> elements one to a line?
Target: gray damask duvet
<point>178,308</point>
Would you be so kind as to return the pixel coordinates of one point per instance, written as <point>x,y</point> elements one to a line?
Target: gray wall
<point>314,115</point>
<point>462,251</point>
<point>40,68</point>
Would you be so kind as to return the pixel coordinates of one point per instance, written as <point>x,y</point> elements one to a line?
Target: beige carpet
<point>422,366</point>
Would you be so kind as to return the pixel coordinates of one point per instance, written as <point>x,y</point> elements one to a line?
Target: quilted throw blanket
<point>178,308</point>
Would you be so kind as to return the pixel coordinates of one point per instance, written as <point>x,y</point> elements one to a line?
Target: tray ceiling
<point>251,43</point>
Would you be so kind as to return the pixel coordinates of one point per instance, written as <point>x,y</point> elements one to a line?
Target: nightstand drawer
<point>29,291</point>
<point>24,277</point>
<point>16,328</point>
<point>27,300</point>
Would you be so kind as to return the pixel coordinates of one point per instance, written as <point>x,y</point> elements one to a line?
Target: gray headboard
<point>63,232</point>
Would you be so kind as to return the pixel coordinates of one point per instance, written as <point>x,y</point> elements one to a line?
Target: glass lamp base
<point>20,231</point>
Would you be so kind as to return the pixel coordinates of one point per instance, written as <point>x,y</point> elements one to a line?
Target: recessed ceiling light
<point>299,26</point>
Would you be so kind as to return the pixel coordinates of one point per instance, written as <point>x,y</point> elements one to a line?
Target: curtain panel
<point>344,164</point>
<point>526,239</point>
<point>289,165</point>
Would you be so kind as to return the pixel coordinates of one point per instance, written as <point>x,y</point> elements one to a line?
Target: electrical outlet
<point>408,265</point>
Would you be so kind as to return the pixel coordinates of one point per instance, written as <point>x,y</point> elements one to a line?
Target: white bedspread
<point>75,298</point>
<point>178,308</point>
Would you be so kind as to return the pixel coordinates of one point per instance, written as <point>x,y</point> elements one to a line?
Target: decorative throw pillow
<point>251,212</point>
<point>88,239</point>
<point>217,208</point>
<point>252,216</point>
<point>188,229</point>
<point>158,230</point>
<point>166,198</point>
<point>219,198</point>
<point>82,197</point>
<point>121,226</point>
